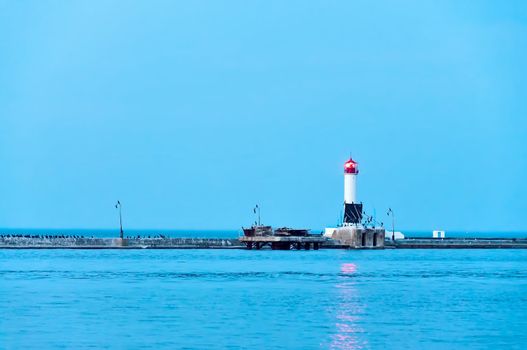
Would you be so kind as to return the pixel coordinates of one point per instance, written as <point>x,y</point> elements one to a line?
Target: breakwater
<point>75,242</point>
<point>458,243</point>
<point>79,242</point>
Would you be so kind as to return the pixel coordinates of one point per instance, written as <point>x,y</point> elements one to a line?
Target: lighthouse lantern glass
<point>350,167</point>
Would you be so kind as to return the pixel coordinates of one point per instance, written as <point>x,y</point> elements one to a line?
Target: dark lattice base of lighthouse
<point>352,213</point>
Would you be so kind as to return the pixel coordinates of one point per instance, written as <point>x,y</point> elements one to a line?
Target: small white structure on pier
<point>438,234</point>
<point>396,235</point>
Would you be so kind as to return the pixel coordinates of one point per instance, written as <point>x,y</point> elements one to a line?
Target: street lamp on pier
<point>118,206</point>
<point>390,212</point>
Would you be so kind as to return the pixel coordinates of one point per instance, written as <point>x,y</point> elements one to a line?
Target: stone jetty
<point>19,241</point>
<point>74,242</point>
<point>458,243</point>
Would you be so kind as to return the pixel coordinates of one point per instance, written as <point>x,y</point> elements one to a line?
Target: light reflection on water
<point>349,309</point>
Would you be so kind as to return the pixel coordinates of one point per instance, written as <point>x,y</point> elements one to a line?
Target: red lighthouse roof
<point>351,167</point>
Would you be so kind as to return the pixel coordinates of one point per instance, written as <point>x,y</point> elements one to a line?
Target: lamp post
<point>257,208</point>
<point>390,212</point>
<point>118,205</point>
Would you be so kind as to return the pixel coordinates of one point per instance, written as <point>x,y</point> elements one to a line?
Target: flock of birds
<point>39,236</point>
<point>68,236</point>
<point>155,236</point>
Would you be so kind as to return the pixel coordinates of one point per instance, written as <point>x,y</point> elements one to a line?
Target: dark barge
<point>283,238</point>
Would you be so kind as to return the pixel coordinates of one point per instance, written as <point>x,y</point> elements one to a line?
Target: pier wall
<point>110,243</point>
<point>458,243</point>
<point>357,237</point>
<point>343,239</point>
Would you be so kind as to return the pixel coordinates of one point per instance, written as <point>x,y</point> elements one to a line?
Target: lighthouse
<point>351,232</point>
<point>352,209</point>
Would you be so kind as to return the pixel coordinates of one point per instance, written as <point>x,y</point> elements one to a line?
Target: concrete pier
<point>359,237</point>
<point>458,243</point>
<point>344,240</point>
<point>68,242</point>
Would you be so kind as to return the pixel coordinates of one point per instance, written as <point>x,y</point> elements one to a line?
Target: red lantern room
<point>351,167</point>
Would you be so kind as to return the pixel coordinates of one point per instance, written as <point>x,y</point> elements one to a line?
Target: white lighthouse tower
<point>352,209</point>
<point>350,181</point>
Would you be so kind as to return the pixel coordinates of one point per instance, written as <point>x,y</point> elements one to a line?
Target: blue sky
<point>192,112</point>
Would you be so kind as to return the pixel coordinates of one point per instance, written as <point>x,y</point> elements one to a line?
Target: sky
<point>192,112</point>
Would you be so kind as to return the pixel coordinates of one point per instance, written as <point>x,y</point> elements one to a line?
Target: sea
<point>239,299</point>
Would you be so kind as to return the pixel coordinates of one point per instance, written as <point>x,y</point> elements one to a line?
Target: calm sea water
<point>237,299</point>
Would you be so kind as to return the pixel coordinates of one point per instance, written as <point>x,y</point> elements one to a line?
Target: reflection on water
<point>348,312</point>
